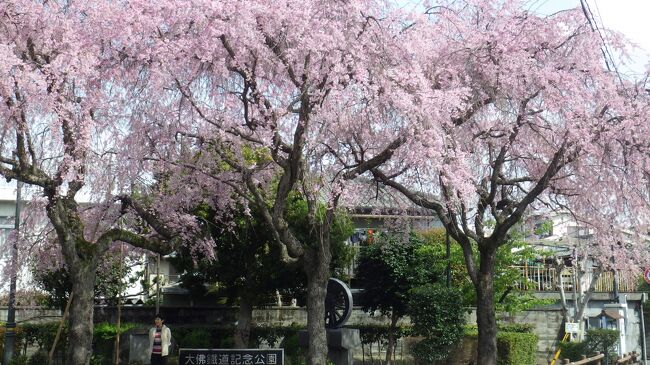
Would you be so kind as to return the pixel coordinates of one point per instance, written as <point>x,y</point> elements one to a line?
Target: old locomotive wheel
<point>338,303</point>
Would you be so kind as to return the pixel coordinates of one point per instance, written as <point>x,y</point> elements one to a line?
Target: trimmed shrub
<point>42,335</point>
<point>438,319</point>
<point>572,350</point>
<point>197,338</point>
<point>378,333</point>
<point>602,340</point>
<point>599,339</point>
<point>516,327</point>
<point>516,348</point>
<point>472,329</point>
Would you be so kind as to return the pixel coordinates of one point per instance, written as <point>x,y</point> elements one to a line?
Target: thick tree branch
<point>473,109</point>
<point>148,216</point>
<point>162,247</point>
<point>290,248</point>
<point>376,160</point>
<point>557,163</point>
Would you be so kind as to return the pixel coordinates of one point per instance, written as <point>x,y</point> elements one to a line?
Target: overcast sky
<point>630,17</point>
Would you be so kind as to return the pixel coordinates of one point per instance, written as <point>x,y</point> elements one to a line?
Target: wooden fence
<point>544,279</point>
<point>597,359</point>
<point>594,360</point>
<point>629,359</point>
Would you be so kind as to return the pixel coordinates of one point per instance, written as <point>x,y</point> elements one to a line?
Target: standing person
<point>160,338</point>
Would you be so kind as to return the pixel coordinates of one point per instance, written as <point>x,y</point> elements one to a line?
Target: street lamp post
<point>158,284</point>
<point>10,329</point>
<point>448,253</point>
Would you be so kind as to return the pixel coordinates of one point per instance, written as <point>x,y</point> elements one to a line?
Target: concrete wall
<point>32,314</point>
<point>279,316</point>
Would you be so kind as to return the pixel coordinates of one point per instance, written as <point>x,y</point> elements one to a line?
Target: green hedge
<point>437,319</point>
<point>472,329</point>
<point>516,327</point>
<point>598,339</point>
<point>516,345</point>
<point>374,333</point>
<point>516,348</point>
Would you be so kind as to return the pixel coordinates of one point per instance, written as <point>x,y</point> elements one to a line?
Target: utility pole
<point>10,328</point>
<point>119,309</point>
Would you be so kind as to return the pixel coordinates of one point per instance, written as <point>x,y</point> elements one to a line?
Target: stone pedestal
<point>139,346</point>
<point>341,343</point>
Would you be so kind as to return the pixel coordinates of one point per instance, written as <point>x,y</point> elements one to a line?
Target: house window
<point>6,222</point>
<point>578,232</point>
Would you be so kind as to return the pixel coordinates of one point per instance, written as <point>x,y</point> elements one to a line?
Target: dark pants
<point>157,359</point>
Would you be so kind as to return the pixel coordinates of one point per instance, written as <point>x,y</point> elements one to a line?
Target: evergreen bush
<point>516,348</point>
<point>438,318</point>
<point>599,339</point>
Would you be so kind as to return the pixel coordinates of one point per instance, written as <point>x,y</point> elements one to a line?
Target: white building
<point>133,290</point>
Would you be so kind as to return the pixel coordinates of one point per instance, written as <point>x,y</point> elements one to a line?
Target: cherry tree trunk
<point>316,267</point>
<point>80,337</point>
<point>244,319</point>
<point>485,315</point>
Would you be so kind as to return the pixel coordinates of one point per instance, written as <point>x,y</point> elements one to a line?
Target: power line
<point>593,24</point>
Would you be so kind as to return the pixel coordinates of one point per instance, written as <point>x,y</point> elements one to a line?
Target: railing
<point>541,278</point>
<point>594,360</point>
<point>605,283</point>
<point>545,279</point>
<point>165,279</point>
<point>627,359</point>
